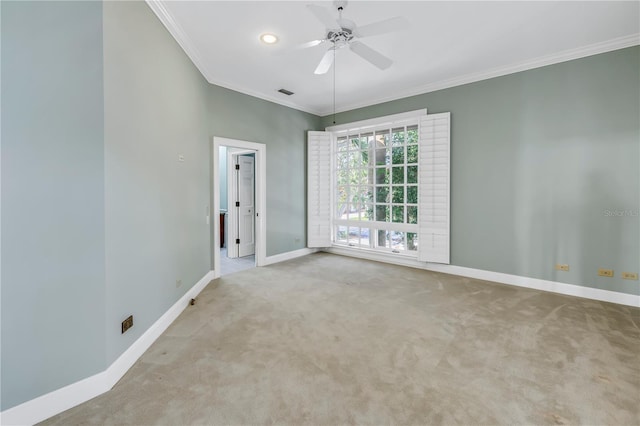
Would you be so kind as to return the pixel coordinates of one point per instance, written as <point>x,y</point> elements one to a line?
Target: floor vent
<point>286,92</point>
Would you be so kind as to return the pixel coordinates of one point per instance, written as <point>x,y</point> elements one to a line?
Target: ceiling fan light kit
<point>343,32</point>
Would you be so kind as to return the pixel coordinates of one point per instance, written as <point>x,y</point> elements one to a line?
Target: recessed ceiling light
<point>269,38</point>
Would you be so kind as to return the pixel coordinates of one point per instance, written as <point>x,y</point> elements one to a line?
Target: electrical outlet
<point>178,283</point>
<point>127,324</point>
<point>605,272</point>
<point>630,276</point>
<point>562,267</point>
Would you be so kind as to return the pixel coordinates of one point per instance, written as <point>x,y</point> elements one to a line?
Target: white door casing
<point>260,151</point>
<point>246,223</point>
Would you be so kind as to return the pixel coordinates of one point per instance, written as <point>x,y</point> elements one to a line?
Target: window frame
<point>387,124</point>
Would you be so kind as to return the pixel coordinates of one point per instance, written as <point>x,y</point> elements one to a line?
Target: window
<point>382,185</point>
<point>376,193</point>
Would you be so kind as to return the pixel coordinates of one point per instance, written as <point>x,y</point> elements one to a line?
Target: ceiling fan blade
<point>310,44</point>
<point>370,55</point>
<point>325,62</point>
<point>388,25</point>
<point>323,15</point>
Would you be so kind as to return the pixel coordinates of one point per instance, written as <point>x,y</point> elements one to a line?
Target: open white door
<point>246,208</point>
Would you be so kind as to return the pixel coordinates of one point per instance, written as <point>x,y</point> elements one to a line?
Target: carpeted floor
<point>329,340</point>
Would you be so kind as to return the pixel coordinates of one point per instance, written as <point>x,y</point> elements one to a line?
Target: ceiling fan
<point>344,32</point>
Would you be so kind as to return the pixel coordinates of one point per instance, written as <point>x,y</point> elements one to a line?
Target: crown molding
<point>542,61</point>
<point>189,48</point>
<point>179,35</point>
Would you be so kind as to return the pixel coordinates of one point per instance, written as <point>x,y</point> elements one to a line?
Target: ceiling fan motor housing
<point>340,4</point>
<point>340,38</point>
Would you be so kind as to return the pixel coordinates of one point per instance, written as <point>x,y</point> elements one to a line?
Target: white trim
<point>260,150</point>
<point>542,61</point>
<point>232,211</point>
<point>282,257</point>
<point>373,224</point>
<point>52,403</point>
<point>387,120</point>
<point>516,280</point>
<point>179,35</point>
<point>189,48</point>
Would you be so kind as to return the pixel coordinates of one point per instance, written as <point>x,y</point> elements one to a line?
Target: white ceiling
<point>446,44</point>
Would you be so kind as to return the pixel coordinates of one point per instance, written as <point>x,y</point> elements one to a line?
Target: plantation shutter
<point>433,181</point>
<point>318,189</point>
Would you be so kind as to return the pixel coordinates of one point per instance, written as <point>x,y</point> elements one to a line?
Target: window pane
<point>341,234</point>
<point>397,240</point>
<point>382,213</point>
<point>341,201</point>
<point>382,139</point>
<point>366,212</point>
<point>355,159</point>
<point>382,240</point>
<point>364,237</point>
<point>412,241</point>
<point>349,213</point>
<point>398,194</point>
<point>365,158</point>
<point>412,154</point>
<point>354,235</point>
<point>360,177</point>
<point>397,136</point>
<point>397,214</point>
<point>362,194</point>
<point>412,134</point>
<point>398,175</point>
<point>412,214</point>
<point>342,160</point>
<point>412,174</point>
<point>382,194</point>
<point>382,175</point>
<point>412,194</point>
<point>354,142</point>
<point>343,144</point>
<point>365,141</point>
<point>397,155</point>
<point>343,176</point>
<point>382,156</point>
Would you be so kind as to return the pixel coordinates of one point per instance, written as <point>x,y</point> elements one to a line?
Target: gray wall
<point>156,230</point>
<point>53,282</point>
<point>537,160</point>
<point>283,130</point>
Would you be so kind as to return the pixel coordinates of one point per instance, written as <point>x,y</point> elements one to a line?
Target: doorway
<point>239,240</point>
<point>240,203</point>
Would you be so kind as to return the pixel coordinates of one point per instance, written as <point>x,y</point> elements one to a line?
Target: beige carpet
<point>328,340</point>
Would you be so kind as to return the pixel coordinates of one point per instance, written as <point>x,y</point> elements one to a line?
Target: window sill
<point>374,252</point>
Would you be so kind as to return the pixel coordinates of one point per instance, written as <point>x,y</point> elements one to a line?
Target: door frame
<point>232,191</point>
<point>260,150</point>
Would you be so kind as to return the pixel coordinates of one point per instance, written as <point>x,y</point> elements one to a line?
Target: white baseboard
<point>52,403</point>
<point>270,260</point>
<point>125,361</point>
<point>516,280</point>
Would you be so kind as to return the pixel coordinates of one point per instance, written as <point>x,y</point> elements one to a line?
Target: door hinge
<point>237,240</point>
<point>237,166</point>
<point>237,203</point>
